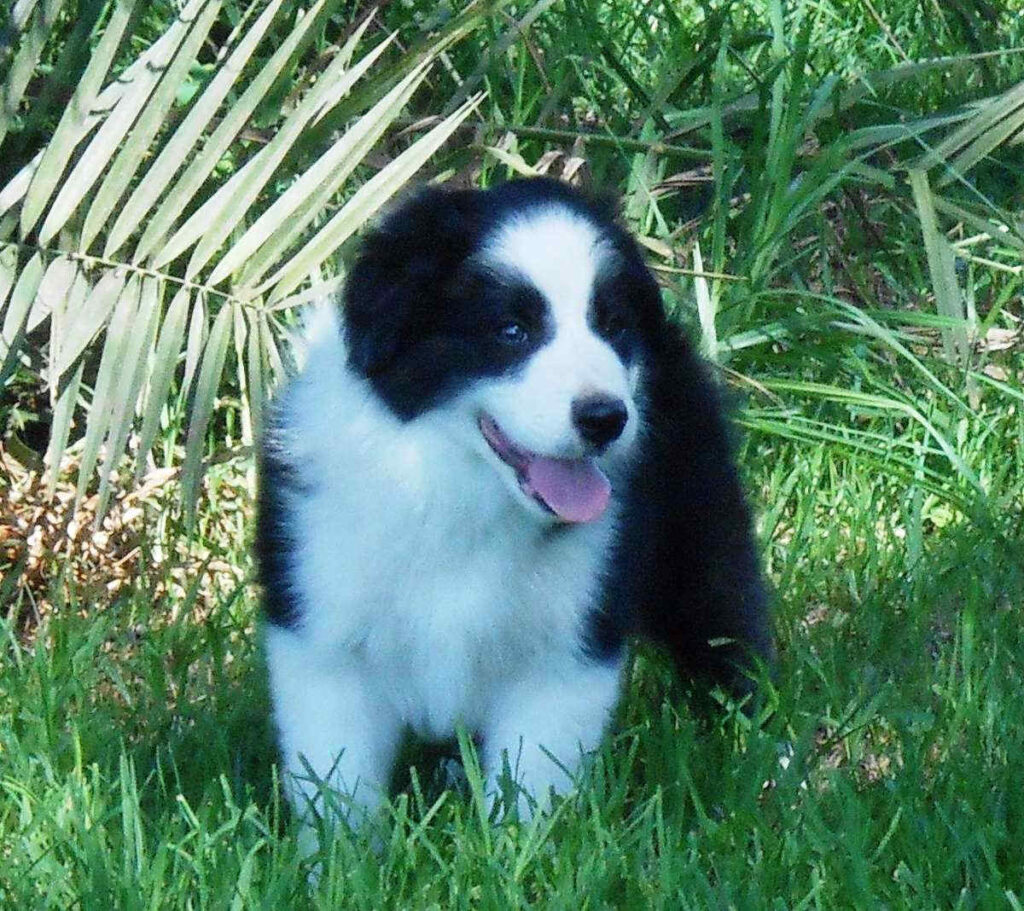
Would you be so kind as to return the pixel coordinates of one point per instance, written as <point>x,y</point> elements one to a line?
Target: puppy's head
<point>522,315</point>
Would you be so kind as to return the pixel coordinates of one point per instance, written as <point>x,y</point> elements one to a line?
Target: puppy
<point>499,463</point>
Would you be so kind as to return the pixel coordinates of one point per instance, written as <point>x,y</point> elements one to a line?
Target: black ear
<point>400,274</point>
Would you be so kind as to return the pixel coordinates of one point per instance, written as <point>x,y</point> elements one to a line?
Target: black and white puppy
<point>499,462</point>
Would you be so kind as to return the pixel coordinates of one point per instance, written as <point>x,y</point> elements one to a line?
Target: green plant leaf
<point>235,117</point>
<point>941,266</point>
<point>105,392</point>
<point>79,327</point>
<point>8,272</point>
<point>994,123</point>
<point>705,307</point>
<point>63,412</point>
<point>367,200</point>
<point>12,89</point>
<point>283,223</point>
<point>216,219</point>
<point>132,371</point>
<point>202,407</point>
<point>150,120</point>
<point>879,403</point>
<point>136,85</point>
<point>16,314</point>
<point>240,336</point>
<point>165,362</point>
<point>197,335</point>
<point>317,292</point>
<point>38,179</point>
<point>54,289</point>
<point>71,302</point>
<point>187,136</point>
<point>255,354</point>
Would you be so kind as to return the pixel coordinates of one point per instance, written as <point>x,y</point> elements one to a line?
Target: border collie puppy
<point>499,462</point>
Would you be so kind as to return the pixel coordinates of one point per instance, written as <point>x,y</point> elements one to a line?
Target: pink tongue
<point>574,489</point>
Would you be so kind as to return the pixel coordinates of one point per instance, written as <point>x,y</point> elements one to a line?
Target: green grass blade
<point>865,322</point>
<point>878,450</point>
<point>136,146</point>
<point>202,407</point>
<point>941,266</point>
<point>990,115</point>
<point>471,16</point>
<point>705,307</point>
<point>366,201</point>
<point>883,404</point>
<point>870,84</point>
<point>998,225</point>
<point>187,137</point>
<point>165,361</point>
<point>1004,130</point>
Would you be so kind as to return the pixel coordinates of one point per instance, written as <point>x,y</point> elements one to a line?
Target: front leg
<point>334,730</point>
<point>545,723</point>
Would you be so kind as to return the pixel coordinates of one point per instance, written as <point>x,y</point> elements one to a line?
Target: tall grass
<point>831,195</point>
<point>138,769</point>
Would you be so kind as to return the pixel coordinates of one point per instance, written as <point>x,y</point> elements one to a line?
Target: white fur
<point>562,256</point>
<point>432,591</point>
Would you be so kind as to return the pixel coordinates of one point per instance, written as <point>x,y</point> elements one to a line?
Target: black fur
<point>276,541</point>
<point>686,572</point>
<point>422,318</point>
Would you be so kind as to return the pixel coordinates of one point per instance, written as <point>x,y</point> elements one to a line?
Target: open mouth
<point>575,490</point>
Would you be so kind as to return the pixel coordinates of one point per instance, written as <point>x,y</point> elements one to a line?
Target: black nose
<point>599,418</point>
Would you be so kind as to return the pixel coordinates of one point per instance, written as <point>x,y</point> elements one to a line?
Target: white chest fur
<point>416,564</point>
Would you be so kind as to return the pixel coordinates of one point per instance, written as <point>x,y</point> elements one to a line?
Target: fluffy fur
<point>437,539</point>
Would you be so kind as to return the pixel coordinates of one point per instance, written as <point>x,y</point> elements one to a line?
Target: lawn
<point>832,197</point>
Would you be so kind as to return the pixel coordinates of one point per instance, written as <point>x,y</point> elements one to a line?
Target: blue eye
<point>514,334</point>
<point>612,326</point>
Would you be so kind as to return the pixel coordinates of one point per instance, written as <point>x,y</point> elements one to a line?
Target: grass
<point>137,763</point>
<point>882,450</point>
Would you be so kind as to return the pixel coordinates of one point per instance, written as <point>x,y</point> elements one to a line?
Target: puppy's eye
<point>513,333</point>
<point>612,325</point>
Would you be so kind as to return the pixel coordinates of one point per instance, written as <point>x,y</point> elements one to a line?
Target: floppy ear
<point>401,272</point>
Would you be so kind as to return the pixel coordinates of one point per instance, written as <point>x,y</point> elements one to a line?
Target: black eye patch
<point>612,315</point>
<point>495,307</point>
<point>480,324</point>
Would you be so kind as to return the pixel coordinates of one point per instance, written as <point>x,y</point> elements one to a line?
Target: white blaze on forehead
<point>558,252</point>
<point>561,254</point>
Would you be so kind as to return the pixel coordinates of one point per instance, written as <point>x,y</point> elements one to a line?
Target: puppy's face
<point>521,325</point>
